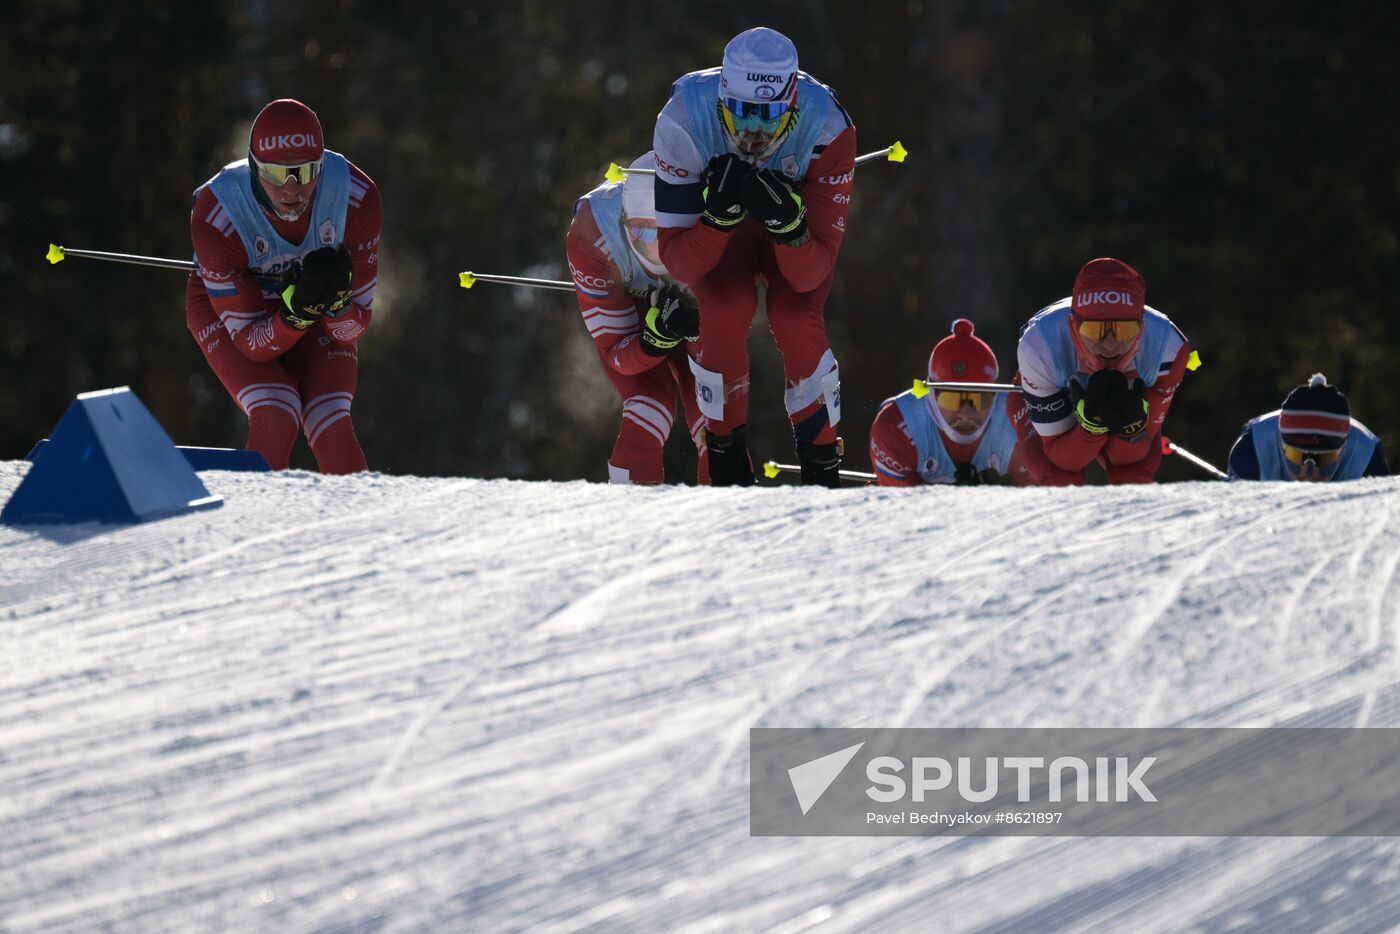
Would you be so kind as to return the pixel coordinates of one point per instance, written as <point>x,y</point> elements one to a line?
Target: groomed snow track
<point>402,704</point>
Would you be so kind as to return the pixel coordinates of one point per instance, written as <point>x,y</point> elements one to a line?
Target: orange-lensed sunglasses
<point>1323,459</point>
<point>1124,330</point>
<point>951,400</point>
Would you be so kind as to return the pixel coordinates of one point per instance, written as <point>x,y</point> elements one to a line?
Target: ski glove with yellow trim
<point>1127,409</point>
<point>319,285</point>
<point>669,321</point>
<point>723,179</point>
<point>1091,400</point>
<point>772,198</point>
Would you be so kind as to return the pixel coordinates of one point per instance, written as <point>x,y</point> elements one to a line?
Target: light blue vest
<point>814,103</point>
<point>1158,333</point>
<point>606,202</point>
<point>1360,447</point>
<point>935,466</point>
<point>269,256</point>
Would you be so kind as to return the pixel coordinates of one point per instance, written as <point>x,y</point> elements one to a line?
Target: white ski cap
<point>760,64</point>
<point>639,190</point>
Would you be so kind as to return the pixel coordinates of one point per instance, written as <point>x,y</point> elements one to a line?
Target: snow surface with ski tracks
<point>391,703</point>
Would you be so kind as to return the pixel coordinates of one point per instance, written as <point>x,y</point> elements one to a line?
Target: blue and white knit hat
<point>760,64</point>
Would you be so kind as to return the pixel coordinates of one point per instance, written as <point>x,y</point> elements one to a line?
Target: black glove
<point>772,198</point>
<point>991,477</point>
<point>318,285</point>
<point>669,321</point>
<point>966,475</point>
<point>1091,407</point>
<point>1126,414</point>
<point>723,179</point>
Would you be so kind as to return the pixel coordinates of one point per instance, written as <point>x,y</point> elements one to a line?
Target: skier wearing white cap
<point>754,172</point>
<point>639,320</point>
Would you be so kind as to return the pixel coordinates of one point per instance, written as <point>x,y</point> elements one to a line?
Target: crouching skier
<point>754,172</point>
<point>1311,437</point>
<point>638,318</point>
<point>1098,372</point>
<point>279,238</point>
<point>950,435</point>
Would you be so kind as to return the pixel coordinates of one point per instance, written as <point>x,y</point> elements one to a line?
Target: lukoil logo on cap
<point>1103,298</point>
<point>286,141</point>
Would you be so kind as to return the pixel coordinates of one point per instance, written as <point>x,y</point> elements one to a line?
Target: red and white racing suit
<point>284,379</point>
<point>648,384</point>
<point>722,267</point>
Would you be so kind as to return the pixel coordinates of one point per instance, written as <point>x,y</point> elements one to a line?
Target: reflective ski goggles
<point>1123,330</point>
<point>750,116</point>
<point>952,400</point>
<point>1325,461</point>
<point>278,174</point>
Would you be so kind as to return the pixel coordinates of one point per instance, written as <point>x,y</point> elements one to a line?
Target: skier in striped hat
<point>1312,437</point>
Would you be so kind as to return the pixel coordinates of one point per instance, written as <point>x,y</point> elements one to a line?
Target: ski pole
<point>1171,447</point>
<point>924,387</point>
<point>771,469</point>
<point>58,254</point>
<point>892,153</point>
<point>469,279</point>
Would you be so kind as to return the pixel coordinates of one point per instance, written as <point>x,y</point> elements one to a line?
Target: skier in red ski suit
<point>286,251</point>
<point>638,319</point>
<point>755,168</point>
<point>1098,373</point>
<point>950,435</point>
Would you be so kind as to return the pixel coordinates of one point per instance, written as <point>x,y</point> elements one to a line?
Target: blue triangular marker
<point>107,460</point>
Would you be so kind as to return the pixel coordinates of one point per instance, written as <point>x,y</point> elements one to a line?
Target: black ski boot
<point>821,464</point>
<point>729,458</point>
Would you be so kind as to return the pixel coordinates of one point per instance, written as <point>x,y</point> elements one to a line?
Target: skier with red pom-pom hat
<point>948,436</point>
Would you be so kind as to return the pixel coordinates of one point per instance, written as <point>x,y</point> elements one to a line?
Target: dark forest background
<point>1245,158</point>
